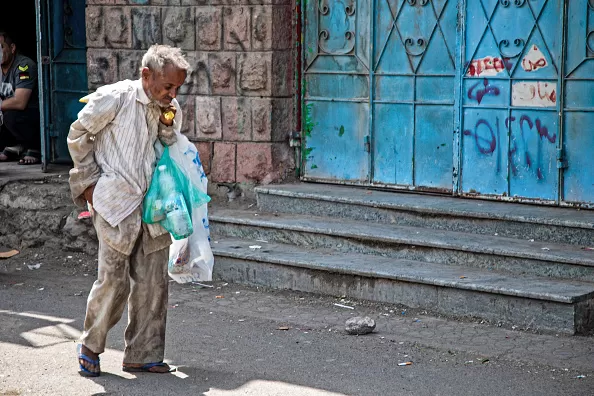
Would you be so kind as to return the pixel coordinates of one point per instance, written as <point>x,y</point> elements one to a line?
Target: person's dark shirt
<point>22,74</point>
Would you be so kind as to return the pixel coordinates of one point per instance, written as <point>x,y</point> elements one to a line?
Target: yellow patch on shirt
<point>24,68</point>
<point>24,77</point>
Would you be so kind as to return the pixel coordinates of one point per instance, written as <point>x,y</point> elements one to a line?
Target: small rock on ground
<point>360,325</point>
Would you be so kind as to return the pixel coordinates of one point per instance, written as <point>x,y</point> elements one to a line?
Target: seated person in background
<point>19,106</point>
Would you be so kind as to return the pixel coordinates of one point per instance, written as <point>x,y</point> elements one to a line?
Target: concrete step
<point>538,303</point>
<point>545,223</point>
<point>511,255</point>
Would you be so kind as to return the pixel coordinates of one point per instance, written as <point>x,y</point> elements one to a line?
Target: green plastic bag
<point>170,199</point>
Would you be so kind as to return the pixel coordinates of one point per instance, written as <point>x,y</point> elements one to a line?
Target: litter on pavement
<point>9,254</point>
<point>343,306</point>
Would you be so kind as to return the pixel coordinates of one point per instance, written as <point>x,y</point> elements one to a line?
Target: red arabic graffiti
<point>488,66</point>
<point>530,65</point>
<point>535,93</point>
<point>534,60</point>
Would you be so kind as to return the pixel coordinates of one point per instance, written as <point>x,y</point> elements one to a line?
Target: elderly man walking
<point>112,144</point>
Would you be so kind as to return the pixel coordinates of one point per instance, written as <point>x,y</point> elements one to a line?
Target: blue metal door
<point>578,139</point>
<point>379,92</point>
<point>64,70</point>
<point>510,89</point>
<point>336,108</point>
<point>414,79</point>
<point>486,98</point>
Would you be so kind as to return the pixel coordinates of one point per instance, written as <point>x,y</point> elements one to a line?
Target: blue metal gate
<point>63,53</point>
<point>510,137</point>
<point>486,98</point>
<point>578,105</point>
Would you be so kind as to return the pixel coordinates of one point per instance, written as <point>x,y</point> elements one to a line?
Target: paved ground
<point>11,171</point>
<point>226,341</point>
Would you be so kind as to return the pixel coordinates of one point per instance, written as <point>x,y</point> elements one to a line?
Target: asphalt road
<point>227,340</point>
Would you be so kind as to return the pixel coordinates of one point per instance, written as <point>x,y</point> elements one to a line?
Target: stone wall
<point>238,98</point>
<point>51,222</point>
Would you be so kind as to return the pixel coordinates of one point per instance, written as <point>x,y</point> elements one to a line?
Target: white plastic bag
<point>191,259</point>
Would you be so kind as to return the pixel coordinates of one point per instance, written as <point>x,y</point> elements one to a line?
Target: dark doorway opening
<point>18,19</point>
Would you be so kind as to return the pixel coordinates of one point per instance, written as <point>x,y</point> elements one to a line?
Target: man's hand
<point>88,194</point>
<point>167,115</point>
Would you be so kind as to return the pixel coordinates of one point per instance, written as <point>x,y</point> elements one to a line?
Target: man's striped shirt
<point>112,145</point>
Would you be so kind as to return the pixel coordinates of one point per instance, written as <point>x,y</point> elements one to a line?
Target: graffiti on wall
<point>488,66</point>
<point>486,136</point>
<point>534,60</point>
<point>534,93</point>
<point>482,88</point>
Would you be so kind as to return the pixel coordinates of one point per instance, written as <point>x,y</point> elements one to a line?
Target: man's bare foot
<point>28,160</point>
<point>3,157</point>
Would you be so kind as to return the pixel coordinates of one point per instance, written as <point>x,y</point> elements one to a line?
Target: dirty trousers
<point>141,280</point>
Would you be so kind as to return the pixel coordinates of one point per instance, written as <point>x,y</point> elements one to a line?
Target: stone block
<point>95,27</point>
<point>208,118</point>
<point>205,153</point>
<point>146,27</point>
<point>263,163</point>
<point>272,27</point>
<point>117,27</point>
<point>270,2</point>
<point>236,28</point>
<point>223,71</point>
<point>101,67</point>
<point>272,119</point>
<point>282,73</point>
<point>149,2</point>
<point>178,27</point>
<point>129,63</point>
<point>223,163</point>
<point>164,2</point>
<point>187,104</point>
<point>198,80</point>
<point>208,28</point>
<point>91,2</point>
<point>254,74</point>
<point>237,119</point>
<point>203,2</point>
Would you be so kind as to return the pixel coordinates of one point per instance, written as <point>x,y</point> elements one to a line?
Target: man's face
<point>162,87</point>
<point>8,52</point>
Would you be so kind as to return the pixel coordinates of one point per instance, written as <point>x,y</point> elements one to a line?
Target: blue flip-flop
<point>82,370</point>
<point>147,368</point>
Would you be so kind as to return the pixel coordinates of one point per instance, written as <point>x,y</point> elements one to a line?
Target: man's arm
<point>86,172</point>
<point>17,102</point>
<point>23,84</point>
<point>92,119</point>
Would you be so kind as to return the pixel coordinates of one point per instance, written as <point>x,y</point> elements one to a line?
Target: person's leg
<point>147,310</point>
<point>7,139</point>
<point>24,128</point>
<point>108,296</point>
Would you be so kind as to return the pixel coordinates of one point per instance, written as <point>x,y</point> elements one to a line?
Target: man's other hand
<point>88,194</point>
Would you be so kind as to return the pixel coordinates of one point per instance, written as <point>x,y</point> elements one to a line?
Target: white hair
<point>158,56</point>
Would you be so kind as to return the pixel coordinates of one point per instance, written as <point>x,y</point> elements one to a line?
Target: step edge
<point>404,278</point>
<point>214,218</point>
<point>427,210</point>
